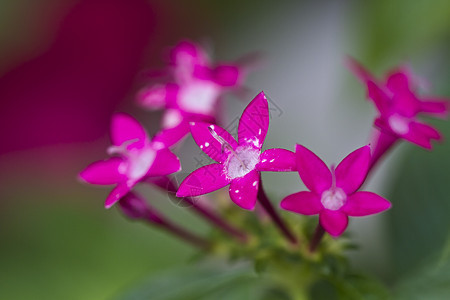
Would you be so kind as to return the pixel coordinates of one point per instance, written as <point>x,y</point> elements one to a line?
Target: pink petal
<point>254,122</point>
<point>365,203</point>
<point>425,129</point>
<point>210,144</point>
<point>165,163</point>
<point>352,171</point>
<point>244,190</point>
<point>103,172</point>
<point>305,203</point>
<point>398,82</point>
<point>158,96</point>
<point>117,193</point>
<point>421,134</point>
<point>359,71</point>
<point>124,128</point>
<point>379,97</point>
<point>334,222</point>
<point>226,75</point>
<point>277,160</point>
<point>171,136</point>
<point>203,180</point>
<point>436,107</point>
<point>312,170</point>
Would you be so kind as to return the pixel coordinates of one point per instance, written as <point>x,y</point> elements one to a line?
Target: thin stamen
<point>333,177</point>
<point>122,149</point>
<point>227,145</point>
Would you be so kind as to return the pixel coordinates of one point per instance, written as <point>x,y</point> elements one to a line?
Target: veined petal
<point>244,190</point>
<point>435,107</point>
<point>165,163</point>
<point>215,145</point>
<point>334,222</point>
<point>277,160</point>
<point>305,203</point>
<point>103,172</point>
<point>171,136</point>
<point>312,170</point>
<point>117,193</point>
<point>365,203</point>
<point>352,171</point>
<point>203,180</point>
<point>254,122</point>
<point>125,128</point>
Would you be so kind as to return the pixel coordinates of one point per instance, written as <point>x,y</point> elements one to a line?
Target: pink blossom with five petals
<point>239,163</point>
<point>398,105</point>
<point>193,93</point>
<point>334,193</point>
<point>137,158</point>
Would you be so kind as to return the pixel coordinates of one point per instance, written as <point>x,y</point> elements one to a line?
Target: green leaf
<point>200,281</point>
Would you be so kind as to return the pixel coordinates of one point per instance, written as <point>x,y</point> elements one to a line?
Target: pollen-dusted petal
<point>125,128</point>
<point>435,107</point>
<point>244,190</point>
<point>277,160</point>
<point>352,171</point>
<point>117,193</point>
<point>171,136</point>
<point>334,222</point>
<point>254,122</point>
<point>103,172</point>
<point>365,203</point>
<point>213,140</point>
<point>312,170</point>
<point>203,180</point>
<point>305,203</point>
<point>165,163</point>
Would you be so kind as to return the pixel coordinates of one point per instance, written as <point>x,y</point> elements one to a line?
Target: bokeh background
<point>66,66</point>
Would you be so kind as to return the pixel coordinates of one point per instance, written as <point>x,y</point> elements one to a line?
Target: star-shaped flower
<point>398,105</point>
<point>333,193</point>
<point>239,163</point>
<point>193,92</point>
<point>137,158</point>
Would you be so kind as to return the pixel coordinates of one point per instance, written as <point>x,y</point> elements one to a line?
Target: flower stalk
<point>267,205</point>
<point>169,186</point>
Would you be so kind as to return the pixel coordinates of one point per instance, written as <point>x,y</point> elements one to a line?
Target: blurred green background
<point>57,241</point>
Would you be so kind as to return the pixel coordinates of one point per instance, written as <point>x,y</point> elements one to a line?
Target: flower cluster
<point>190,99</point>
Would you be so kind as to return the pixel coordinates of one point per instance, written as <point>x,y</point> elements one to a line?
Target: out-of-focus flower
<point>398,105</point>
<point>193,92</point>
<point>333,194</point>
<point>138,158</point>
<point>239,163</point>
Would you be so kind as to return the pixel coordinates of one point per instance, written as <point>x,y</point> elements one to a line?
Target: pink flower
<point>137,158</point>
<point>398,105</point>
<point>193,92</point>
<point>333,194</point>
<point>239,163</point>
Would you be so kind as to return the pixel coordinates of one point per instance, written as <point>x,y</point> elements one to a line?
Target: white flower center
<point>139,162</point>
<point>198,97</point>
<point>333,199</point>
<point>241,161</point>
<point>171,118</point>
<point>399,124</point>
